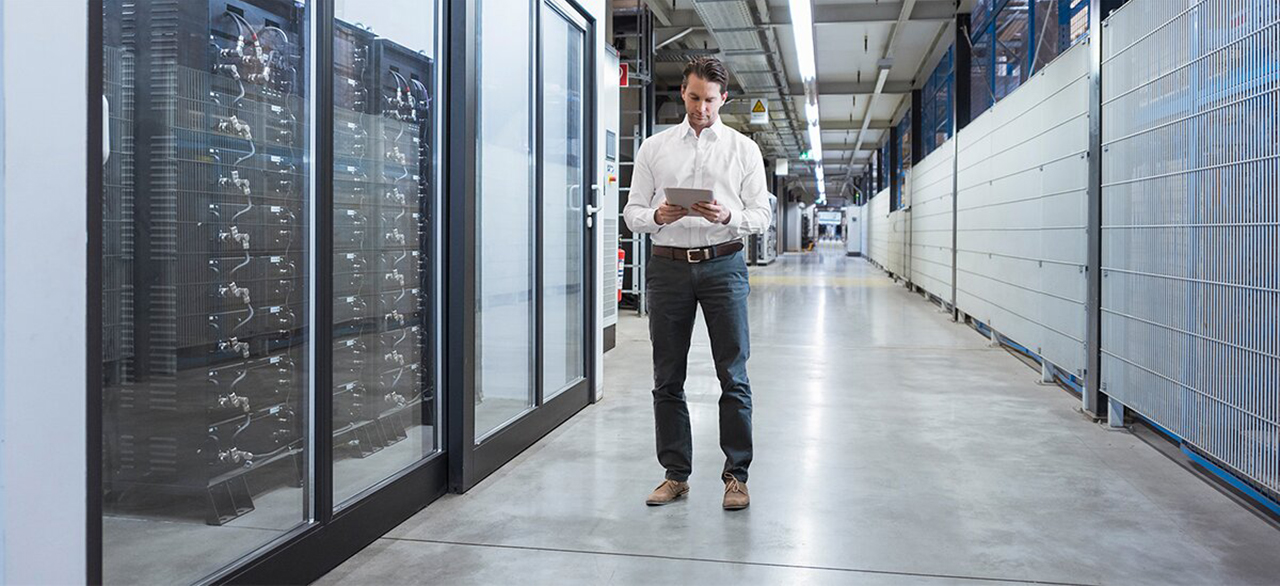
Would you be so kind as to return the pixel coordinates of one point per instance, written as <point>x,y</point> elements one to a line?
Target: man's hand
<point>669,213</point>
<point>712,211</point>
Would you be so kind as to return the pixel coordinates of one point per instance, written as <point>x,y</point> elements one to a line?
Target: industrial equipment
<point>764,247</point>
<point>853,231</point>
<point>207,209</point>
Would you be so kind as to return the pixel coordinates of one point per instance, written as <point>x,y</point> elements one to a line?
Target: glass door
<point>505,229</point>
<point>564,251</point>
<point>527,314</point>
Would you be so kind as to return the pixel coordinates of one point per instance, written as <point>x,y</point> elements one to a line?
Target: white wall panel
<point>1022,212</point>
<point>899,226</point>
<point>43,264</point>
<point>1191,218</point>
<point>931,215</point>
<point>879,227</point>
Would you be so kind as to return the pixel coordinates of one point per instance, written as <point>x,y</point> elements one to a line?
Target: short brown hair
<point>708,68</point>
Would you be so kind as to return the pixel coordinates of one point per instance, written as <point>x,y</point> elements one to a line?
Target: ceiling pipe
<point>680,35</point>
<point>754,62</point>
<point>780,72</point>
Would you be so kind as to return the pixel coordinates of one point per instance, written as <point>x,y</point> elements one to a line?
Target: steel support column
<point>1094,401</point>
<point>1092,395</point>
<point>895,164</point>
<point>917,137</point>
<point>959,119</point>
<point>963,62</point>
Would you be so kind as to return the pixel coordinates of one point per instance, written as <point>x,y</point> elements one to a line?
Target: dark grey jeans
<point>675,290</point>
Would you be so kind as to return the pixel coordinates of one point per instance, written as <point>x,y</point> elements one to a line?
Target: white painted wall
<point>42,279</point>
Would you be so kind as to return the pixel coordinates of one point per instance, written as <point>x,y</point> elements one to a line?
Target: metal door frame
<point>470,462</point>
<point>575,18</point>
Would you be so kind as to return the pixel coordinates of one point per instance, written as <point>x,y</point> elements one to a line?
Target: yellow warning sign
<point>760,112</point>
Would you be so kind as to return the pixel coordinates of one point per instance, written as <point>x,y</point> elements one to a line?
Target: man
<point>698,260</point>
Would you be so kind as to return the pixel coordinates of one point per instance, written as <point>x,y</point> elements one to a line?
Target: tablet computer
<point>685,197</point>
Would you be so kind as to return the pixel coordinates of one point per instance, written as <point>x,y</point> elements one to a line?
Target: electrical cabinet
<point>853,232</point>
<point>808,227</point>
<point>795,227</point>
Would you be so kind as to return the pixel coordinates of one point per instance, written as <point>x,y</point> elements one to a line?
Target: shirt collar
<point>715,131</point>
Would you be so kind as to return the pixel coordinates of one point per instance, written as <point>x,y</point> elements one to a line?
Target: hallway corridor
<point>892,447</point>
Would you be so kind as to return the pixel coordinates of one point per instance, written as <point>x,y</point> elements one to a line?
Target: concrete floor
<point>892,447</point>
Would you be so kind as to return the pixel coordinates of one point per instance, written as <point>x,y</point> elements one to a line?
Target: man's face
<point>702,101</point>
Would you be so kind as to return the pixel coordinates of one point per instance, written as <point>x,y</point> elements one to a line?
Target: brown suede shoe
<point>735,494</point>
<point>666,492</point>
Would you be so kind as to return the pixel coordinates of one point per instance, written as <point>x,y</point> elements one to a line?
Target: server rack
<point>204,230</point>
<point>171,89</point>
<point>383,347</point>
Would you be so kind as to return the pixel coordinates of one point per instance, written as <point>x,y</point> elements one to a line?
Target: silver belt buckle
<point>688,255</point>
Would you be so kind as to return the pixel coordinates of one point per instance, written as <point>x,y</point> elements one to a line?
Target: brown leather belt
<point>697,255</point>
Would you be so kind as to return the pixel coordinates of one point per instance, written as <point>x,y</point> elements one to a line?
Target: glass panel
<point>563,193</point>
<point>943,100</point>
<point>206,344</point>
<point>981,95</point>
<point>385,185</point>
<point>882,168</point>
<point>942,115</point>
<point>1078,23</point>
<point>1049,42</point>
<point>1011,47</point>
<point>904,160</point>
<point>982,12</point>
<point>505,206</point>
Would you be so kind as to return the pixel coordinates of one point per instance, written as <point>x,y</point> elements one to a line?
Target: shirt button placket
<point>701,239</point>
<point>697,162</point>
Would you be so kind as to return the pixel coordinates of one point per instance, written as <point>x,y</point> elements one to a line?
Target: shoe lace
<point>670,485</point>
<point>732,485</point>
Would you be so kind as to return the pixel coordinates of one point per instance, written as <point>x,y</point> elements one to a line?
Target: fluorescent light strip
<point>802,28</point>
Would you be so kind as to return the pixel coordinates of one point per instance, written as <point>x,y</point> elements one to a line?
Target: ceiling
<point>851,39</point>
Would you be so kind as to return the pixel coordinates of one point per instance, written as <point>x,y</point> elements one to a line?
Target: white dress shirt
<point>722,160</point>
